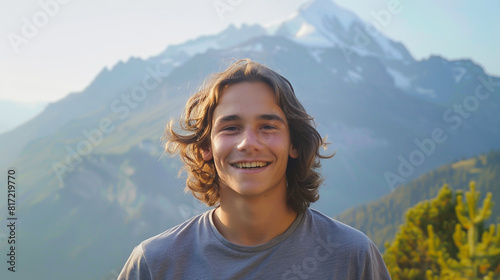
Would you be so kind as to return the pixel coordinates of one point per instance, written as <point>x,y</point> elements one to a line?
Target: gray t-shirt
<point>313,247</point>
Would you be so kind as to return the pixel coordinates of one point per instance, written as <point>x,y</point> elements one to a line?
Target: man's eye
<point>230,128</point>
<point>267,127</point>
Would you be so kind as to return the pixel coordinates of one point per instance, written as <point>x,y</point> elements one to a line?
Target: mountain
<point>15,113</point>
<point>95,181</point>
<point>322,24</point>
<point>381,219</point>
<point>110,83</point>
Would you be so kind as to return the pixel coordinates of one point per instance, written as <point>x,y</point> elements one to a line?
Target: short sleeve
<point>136,266</point>
<point>375,268</point>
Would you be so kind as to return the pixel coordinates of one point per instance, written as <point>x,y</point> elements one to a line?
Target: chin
<point>254,190</point>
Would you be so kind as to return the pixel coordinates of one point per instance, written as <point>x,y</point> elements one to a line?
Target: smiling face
<point>250,140</point>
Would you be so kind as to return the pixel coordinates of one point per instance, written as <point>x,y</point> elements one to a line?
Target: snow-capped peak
<point>317,11</point>
<point>324,24</point>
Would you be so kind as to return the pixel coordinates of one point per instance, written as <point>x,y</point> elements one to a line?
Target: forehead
<point>247,98</point>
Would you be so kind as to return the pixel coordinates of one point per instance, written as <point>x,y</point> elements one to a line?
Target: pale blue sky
<point>84,36</point>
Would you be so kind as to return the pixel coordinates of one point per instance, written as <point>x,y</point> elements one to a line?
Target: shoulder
<point>176,242</point>
<point>175,235</point>
<point>153,256</point>
<point>338,237</point>
<point>331,227</point>
<point>346,247</point>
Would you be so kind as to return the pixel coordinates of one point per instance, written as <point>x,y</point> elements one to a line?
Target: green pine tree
<point>408,256</point>
<point>478,254</point>
<point>444,238</point>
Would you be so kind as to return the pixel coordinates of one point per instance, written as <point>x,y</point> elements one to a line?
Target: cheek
<point>272,139</point>
<point>278,142</point>
<point>266,138</point>
<point>220,147</point>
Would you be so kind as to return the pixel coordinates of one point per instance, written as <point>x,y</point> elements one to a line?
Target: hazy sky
<point>78,38</point>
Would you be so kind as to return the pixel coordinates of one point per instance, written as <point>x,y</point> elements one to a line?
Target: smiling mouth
<point>250,165</point>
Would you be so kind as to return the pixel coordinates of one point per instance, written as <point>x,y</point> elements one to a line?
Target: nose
<point>249,141</point>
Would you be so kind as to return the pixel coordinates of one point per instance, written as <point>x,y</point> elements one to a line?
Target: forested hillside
<point>381,219</point>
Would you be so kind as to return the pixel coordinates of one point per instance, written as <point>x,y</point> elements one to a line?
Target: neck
<point>253,221</point>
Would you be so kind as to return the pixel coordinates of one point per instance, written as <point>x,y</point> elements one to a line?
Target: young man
<point>252,151</point>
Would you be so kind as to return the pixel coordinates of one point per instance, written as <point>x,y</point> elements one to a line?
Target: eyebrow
<point>271,117</point>
<point>230,118</point>
<point>267,117</point>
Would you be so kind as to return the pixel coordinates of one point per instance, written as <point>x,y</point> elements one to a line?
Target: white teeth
<point>250,164</point>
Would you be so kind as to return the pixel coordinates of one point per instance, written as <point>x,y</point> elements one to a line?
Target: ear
<point>293,152</point>
<point>207,154</point>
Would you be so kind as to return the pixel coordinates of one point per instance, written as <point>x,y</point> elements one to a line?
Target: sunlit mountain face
<point>95,181</point>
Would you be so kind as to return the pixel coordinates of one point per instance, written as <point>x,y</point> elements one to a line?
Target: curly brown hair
<point>303,180</point>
